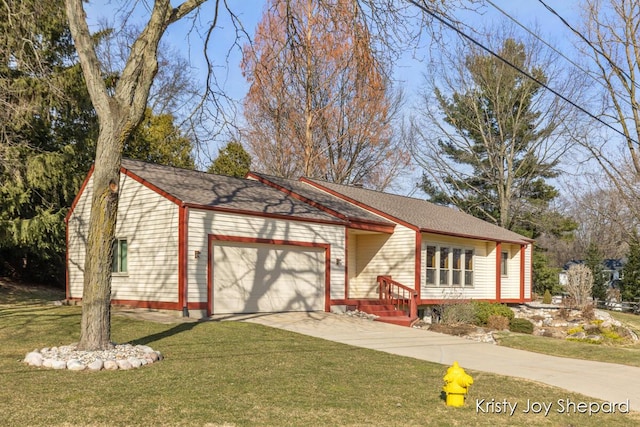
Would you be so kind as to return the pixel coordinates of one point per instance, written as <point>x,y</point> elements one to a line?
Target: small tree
<point>579,284</point>
<point>232,160</point>
<point>630,285</point>
<point>594,262</point>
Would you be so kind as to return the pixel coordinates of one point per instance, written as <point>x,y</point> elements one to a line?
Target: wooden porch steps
<point>386,313</point>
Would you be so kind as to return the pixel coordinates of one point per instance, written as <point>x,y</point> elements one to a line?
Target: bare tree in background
<point>320,103</point>
<point>611,44</point>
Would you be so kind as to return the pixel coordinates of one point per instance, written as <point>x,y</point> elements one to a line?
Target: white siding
<point>510,284</point>
<point>205,222</point>
<point>383,254</point>
<point>484,268</point>
<point>149,223</point>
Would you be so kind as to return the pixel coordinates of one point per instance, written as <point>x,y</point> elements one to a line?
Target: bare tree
<point>119,112</point>
<point>320,103</point>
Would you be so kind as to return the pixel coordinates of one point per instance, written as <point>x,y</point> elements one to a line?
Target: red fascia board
<point>367,226</point>
<point>77,198</point>
<point>359,204</point>
<point>150,186</point>
<point>262,214</point>
<point>467,236</point>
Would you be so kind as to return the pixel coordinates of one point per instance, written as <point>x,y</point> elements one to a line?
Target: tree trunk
<point>95,329</point>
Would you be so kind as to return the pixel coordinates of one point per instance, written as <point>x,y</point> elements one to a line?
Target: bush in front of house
<point>485,309</point>
<point>457,313</point>
<point>523,326</point>
<point>498,322</point>
<point>546,299</point>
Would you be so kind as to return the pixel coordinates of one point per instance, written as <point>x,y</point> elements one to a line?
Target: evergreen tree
<point>545,278</point>
<point>232,160</point>
<point>158,140</point>
<point>47,129</point>
<point>495,164</point>
<point>594,262</point>
<point>630,283</point>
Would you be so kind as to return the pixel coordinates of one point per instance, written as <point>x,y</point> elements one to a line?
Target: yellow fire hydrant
<point>456,383</point>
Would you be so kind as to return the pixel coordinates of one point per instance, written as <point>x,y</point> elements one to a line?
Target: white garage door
<point>256,277</point>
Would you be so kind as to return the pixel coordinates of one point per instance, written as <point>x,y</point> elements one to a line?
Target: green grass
<point>625,354</point>
<point>234,373</point>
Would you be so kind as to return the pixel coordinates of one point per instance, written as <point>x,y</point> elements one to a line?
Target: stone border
<point>120,357</point>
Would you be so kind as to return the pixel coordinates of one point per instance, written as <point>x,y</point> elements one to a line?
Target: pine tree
<point>630,283</point>
<point>232,160</point>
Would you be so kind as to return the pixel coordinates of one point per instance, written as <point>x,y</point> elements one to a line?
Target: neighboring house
<point>206,244</point>
<point>611,271</point>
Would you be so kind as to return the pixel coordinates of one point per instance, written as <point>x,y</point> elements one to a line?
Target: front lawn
<point>234,373</point>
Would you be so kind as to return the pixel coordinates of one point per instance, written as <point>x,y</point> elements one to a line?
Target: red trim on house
<point>262,214</point>
<point>77,198</point>
<point>523,248</point>
<point>346,263</point>
<point>182,256</point>
<point>498,270</point>
<point>240,239</point>
<point>359,204</point>
<point>418,262</point>
<point>466,236</point>
<point>353,223</point>
<point>379,228</point>
<point>150,186</point>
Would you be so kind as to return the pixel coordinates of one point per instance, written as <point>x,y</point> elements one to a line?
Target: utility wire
<point>515,67</point>
<point>572,62</point>
<point>591,45</point>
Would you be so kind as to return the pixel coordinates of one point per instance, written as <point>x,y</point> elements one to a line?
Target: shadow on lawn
<point>179,328</point>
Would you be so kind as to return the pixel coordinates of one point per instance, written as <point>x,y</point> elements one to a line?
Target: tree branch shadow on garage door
<point>265,269</point>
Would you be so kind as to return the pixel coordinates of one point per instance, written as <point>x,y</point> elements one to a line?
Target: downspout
<point>498,271</point>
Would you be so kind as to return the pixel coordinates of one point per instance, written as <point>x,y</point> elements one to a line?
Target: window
<point>468,267</point>
<point>119,256</point>
<point>447,266</point>
<point>431,265</point>
<point>444,266</point>
<point>504,262</point>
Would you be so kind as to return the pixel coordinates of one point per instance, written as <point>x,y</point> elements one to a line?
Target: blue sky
<point>226,56</point>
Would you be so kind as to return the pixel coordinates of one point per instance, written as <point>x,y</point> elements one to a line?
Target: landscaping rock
<point>34,359</point>
<point>110,365</point>
<point>96,365</point>
<point>124,364</point>
<point>75,365</point>
<point>58,364</point>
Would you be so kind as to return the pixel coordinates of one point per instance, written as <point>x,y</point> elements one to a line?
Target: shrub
<point>485,309</point>
<point>497,322</point>
<point>522,326</point>
<point>546,299</point>
<point>579,284</point>
<point>588,312</point>
<point>456,313</point>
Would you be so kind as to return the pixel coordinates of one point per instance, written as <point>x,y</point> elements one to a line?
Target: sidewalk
<point>606,381</point>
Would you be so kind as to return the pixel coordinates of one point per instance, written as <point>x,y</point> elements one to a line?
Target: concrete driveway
<point>606,381</point>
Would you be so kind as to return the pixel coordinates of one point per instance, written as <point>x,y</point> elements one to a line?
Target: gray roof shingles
<point>217,191</point>
<point>424,215</point>
<point>344,208</point>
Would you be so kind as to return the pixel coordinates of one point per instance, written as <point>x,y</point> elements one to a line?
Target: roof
<point>205,190</point>
<point>340,207</point>
<point>421,214</point>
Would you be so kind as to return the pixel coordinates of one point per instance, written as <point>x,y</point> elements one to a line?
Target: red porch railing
<point>400,296</point>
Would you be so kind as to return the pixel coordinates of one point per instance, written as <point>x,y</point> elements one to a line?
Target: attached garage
<point>255,275</point>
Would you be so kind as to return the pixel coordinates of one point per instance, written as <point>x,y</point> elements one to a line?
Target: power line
<point>572,62</point>
<point>591,45</point>
<point>515,67</point>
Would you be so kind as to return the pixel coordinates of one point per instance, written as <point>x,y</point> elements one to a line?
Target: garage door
<point>256,277</point>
